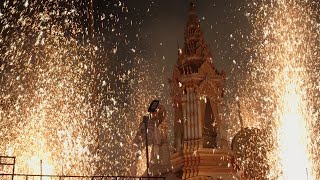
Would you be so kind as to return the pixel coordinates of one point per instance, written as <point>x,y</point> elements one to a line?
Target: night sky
<point>158,27</point>
<point>147,35</point>
<point>155,30</point>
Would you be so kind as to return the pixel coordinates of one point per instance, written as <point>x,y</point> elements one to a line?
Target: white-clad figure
<point>159,156</point>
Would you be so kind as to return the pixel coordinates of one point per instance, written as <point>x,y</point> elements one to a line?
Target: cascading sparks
<point>46,86</point>
<point>292,130</point>
<point>283,77</point>
<point>70,101</point>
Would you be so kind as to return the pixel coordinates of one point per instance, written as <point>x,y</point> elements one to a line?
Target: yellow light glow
<point>292,129</point>
<point>40,166</point>
<point>282,85</point>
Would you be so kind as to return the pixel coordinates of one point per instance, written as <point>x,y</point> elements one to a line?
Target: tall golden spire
<point>193,18</point>
<point>195,51</point>
<point>201,149</point>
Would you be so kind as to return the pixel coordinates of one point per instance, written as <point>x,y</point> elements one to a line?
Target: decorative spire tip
<point>192,7</point>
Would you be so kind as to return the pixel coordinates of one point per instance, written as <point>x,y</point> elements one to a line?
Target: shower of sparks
<point>282,89</point>
<point>46,113</point>
<point>67,103</point>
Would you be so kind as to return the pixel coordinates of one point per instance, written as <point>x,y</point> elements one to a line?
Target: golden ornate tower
<point>196,90</point>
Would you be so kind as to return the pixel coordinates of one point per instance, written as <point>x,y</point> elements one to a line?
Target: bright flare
<point>292,132</point>
<point>283,79</point>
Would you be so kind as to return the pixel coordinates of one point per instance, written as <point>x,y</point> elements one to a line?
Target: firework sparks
<point>283,80</point>
<point>66,102</point>
<point>45,93</point>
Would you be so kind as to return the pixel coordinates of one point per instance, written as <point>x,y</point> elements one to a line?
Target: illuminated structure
<point>200,152</point>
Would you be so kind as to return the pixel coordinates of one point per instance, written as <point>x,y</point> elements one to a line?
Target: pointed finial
<point>192,7</point>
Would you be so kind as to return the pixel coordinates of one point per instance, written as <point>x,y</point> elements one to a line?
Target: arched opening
<point>209,133</point>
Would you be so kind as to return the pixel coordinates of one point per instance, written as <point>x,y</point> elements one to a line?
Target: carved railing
<point>74,177</point>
